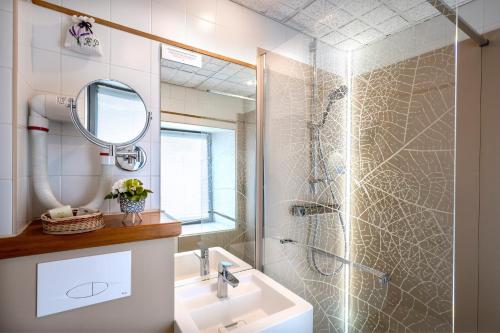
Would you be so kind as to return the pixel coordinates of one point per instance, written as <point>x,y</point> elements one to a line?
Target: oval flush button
<point>98,287</point>
<point>87,289</point>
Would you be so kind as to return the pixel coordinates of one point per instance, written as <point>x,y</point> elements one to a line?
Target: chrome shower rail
<point>383,278</point>
<point>451,14</point>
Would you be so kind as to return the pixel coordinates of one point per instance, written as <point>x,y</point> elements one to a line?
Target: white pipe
<point>39,170</point>
<point>43,108</point>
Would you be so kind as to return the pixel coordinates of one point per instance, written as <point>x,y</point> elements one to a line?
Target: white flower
<point>119,187</point>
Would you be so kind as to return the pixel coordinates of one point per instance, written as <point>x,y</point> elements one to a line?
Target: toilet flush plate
<point>73,283</point>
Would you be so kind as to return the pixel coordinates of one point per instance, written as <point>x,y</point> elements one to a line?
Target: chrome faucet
<point>225,278</point>
<point>204,260</point>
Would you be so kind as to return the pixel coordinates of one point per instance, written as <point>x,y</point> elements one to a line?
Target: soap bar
<point>61,212</point>
<point>84,211</point>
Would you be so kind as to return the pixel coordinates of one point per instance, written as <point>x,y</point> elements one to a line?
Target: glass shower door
<point>305,179</point>
<point>359,169</point>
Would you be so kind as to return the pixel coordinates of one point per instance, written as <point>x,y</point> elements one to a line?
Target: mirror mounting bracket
<point>131,158</point>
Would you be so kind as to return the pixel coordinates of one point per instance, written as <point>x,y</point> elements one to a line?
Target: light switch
<point>69,284</point>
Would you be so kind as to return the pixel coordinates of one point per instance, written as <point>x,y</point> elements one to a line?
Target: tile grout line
<point>15,21</point>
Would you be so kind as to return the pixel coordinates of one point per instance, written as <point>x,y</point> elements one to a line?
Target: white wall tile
<point>23,203</point>
<point>24,93</point>
<point>105,206</point>
<point>155,196</point>
<point>175,105</point>
<point>55,186</point>
<point>164,95</point>
<point>6,34</point>
<point>155,58</point>
<point>77,72</point>
<point>80,157</point>
<point>99,8</point>
<point>201,33</point>
<point>54,151</point>
<point>135,14</point>
<point>228,41</point>
<point>5,95</point>
<point>6,5</point>
<point>78,190</point>
<point>25,64</point>
<point>155,90</point>
<point>229,14</point>
<point>23,155</point>
<point>138,80</point>
<point>46,71</point>
<point>167,22</point>
<point>55,128</point>
<point>68,129</point>
<point>155,158</point>
<point>6,207</point>
<point>130,51</point>
<point>25,24</point>
<point>155,125</point>
<point>179,5</point>
<point>177,92</point>
<point>204,9</point>
<point>6,139</point>
<point>46,32</point>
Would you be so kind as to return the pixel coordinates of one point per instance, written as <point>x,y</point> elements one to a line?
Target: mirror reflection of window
<point>199,176</point>
<point>115,112</point>
<point>185,186</point>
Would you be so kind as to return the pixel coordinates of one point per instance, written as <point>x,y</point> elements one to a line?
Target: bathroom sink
<point>257,304</point>
<point>187,265</point>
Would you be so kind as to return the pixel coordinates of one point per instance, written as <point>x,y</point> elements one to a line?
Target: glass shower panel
<point>305,179</point>
<point>402,180</point>
<point>359,168</point>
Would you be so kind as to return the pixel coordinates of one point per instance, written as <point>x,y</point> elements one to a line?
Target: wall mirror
<point>208,142</point>
<point>113,115</point>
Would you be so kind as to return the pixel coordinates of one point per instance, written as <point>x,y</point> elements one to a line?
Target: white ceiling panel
<point>379,14</point>
<point>214,74</point>
<point>420,12</point>
<point>368,36</point>
<point>359,7</point>
<point>347,24</point>
<point>396,23</point>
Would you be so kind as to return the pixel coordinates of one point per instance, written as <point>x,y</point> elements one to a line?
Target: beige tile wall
<point>402,194</point>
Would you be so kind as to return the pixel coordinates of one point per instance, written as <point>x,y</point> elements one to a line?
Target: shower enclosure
<point>358,163</point>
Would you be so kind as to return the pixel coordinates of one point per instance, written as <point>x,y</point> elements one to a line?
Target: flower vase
<point>132,210</point>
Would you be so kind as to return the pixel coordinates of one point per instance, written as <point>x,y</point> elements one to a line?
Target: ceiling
<point>347,24</point>
<point>214,75</point>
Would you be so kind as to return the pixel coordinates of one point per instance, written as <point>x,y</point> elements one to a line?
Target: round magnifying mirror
<point>110,113</point>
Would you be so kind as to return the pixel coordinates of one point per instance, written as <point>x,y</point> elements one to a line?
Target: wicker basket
<point>72,225</point>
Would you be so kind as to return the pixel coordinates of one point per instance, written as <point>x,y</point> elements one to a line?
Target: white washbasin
<point>187,265</point>
<point>257,304</point>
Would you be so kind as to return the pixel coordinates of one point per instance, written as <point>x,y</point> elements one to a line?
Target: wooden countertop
<point>33,241</point>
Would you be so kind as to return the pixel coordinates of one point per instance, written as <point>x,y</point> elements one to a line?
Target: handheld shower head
<point>338,93</point>
<point>335,95</point>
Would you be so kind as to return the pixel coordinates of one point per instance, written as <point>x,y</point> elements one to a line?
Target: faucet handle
<point>224,265</point>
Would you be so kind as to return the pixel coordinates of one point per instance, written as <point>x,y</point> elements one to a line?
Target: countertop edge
<point>33,241</point>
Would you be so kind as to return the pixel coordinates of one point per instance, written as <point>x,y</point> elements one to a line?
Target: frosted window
<point>185,169</point>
